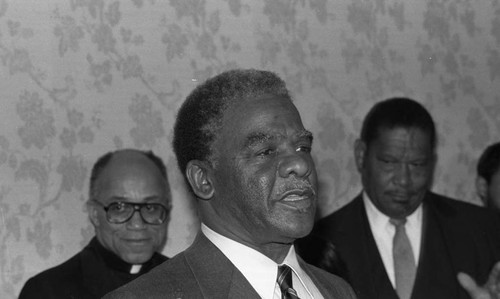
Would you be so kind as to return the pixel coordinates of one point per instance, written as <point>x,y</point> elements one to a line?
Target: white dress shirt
<point>383,233</point>
<point>260,271</point>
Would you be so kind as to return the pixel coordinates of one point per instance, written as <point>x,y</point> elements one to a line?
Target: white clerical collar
<point>134,269</point>
<point>258,269</point>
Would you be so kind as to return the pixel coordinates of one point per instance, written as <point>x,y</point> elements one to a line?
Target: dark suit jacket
<point>91,273</point>
<point>203,271</point>
<point>456,236</point>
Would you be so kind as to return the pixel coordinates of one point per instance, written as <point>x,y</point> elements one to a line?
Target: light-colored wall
<point>79,78</point>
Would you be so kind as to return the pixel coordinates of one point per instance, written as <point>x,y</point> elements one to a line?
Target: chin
<point>137,259</point>
<point>298,232</point>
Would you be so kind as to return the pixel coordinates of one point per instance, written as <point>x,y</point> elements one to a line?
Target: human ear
<point>359,153</point>
<point>199,177</point>
<point>92,210</point>
<point>482,189</point>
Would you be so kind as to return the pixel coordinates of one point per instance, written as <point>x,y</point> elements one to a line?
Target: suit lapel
<point>324,289</point>
<point>215,274</point>
<point>440,253</point>
<point>240,287</point>
<point>323,281</point>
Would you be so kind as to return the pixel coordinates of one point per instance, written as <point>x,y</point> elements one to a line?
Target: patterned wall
<point>81,77</point>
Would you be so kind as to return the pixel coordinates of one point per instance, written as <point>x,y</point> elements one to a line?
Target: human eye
<point>266,152</point>
<point>117,207</point>
<point>304,148</point>
<point>386,161</point>
<point>419,164</point>
<point>151,207</point>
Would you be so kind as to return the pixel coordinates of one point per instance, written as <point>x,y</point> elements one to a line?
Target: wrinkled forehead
<point>262,113</point>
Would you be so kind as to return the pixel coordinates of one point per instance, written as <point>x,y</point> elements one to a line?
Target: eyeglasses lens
<point>120,212</point>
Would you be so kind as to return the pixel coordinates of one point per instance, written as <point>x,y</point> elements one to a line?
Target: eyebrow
<point>127,199</point>
<point>306,134</point>
<point>257,138</point>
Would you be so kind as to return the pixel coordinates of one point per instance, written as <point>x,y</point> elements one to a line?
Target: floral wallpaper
<point>79,78</point>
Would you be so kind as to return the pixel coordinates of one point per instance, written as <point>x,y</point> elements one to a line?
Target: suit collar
<point>215,274</point>
<point>259,270</point>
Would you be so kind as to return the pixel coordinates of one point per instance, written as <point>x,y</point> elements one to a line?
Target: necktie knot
<point>285,283</point>
<point>397,222</point>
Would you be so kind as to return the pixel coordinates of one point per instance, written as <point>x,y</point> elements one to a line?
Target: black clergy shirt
<point>91,273</point>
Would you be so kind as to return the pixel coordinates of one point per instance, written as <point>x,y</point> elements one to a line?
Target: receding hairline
<point>126,158</point>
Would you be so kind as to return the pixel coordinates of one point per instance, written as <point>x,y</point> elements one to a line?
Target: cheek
<point>104,225</point>
<point>115,229</point>
<point>159,233</point>
<point>376,172</point>
<point>313,177</point>
<point>380,180</point>
<point>421,179</point>
<point>256,181</point>
<point>264,183</point>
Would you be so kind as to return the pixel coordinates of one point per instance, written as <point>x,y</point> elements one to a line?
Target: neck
<point>276,251</point>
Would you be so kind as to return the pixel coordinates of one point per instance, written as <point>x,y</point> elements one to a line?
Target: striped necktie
<point>285,283</point>
<point>404,261</point>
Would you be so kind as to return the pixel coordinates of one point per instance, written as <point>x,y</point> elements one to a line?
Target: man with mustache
<point>398,239</point>
<point>242,148</point>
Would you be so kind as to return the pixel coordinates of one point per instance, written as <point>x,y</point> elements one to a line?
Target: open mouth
<point>297,194</point>
<point>300,199</point>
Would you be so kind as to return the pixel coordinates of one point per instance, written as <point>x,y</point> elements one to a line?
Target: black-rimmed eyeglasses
<point>121,212</point>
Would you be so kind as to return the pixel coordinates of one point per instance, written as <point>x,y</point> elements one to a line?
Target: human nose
<point>402,176</point>
<point>136,222</point>
<point>297,164</point>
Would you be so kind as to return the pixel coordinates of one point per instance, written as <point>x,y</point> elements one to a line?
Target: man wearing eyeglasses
<point>129,206</point>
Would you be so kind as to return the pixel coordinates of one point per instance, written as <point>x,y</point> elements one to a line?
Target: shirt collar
<point>258,269</point>
<point>379,219</point>
<point>292,261</point>
<point>113,261</point>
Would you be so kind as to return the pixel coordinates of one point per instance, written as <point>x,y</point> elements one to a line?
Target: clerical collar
<point>113,261</point>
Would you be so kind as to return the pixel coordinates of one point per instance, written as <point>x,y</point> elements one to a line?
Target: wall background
<point>79,78</point>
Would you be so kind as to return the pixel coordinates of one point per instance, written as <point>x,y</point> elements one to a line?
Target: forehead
<point>129,174</point>
<point>399,137</point>
<point>267,114</point>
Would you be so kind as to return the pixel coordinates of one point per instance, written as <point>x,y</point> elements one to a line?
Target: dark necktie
<point>285,283</point>
<point>404,261</point>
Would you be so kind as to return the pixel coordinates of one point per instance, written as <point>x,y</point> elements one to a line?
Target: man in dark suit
<point>129,204</point>
<point>397,239</point>
<point>241,145</point>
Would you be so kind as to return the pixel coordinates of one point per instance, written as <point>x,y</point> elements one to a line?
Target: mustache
<point>295,184</point>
